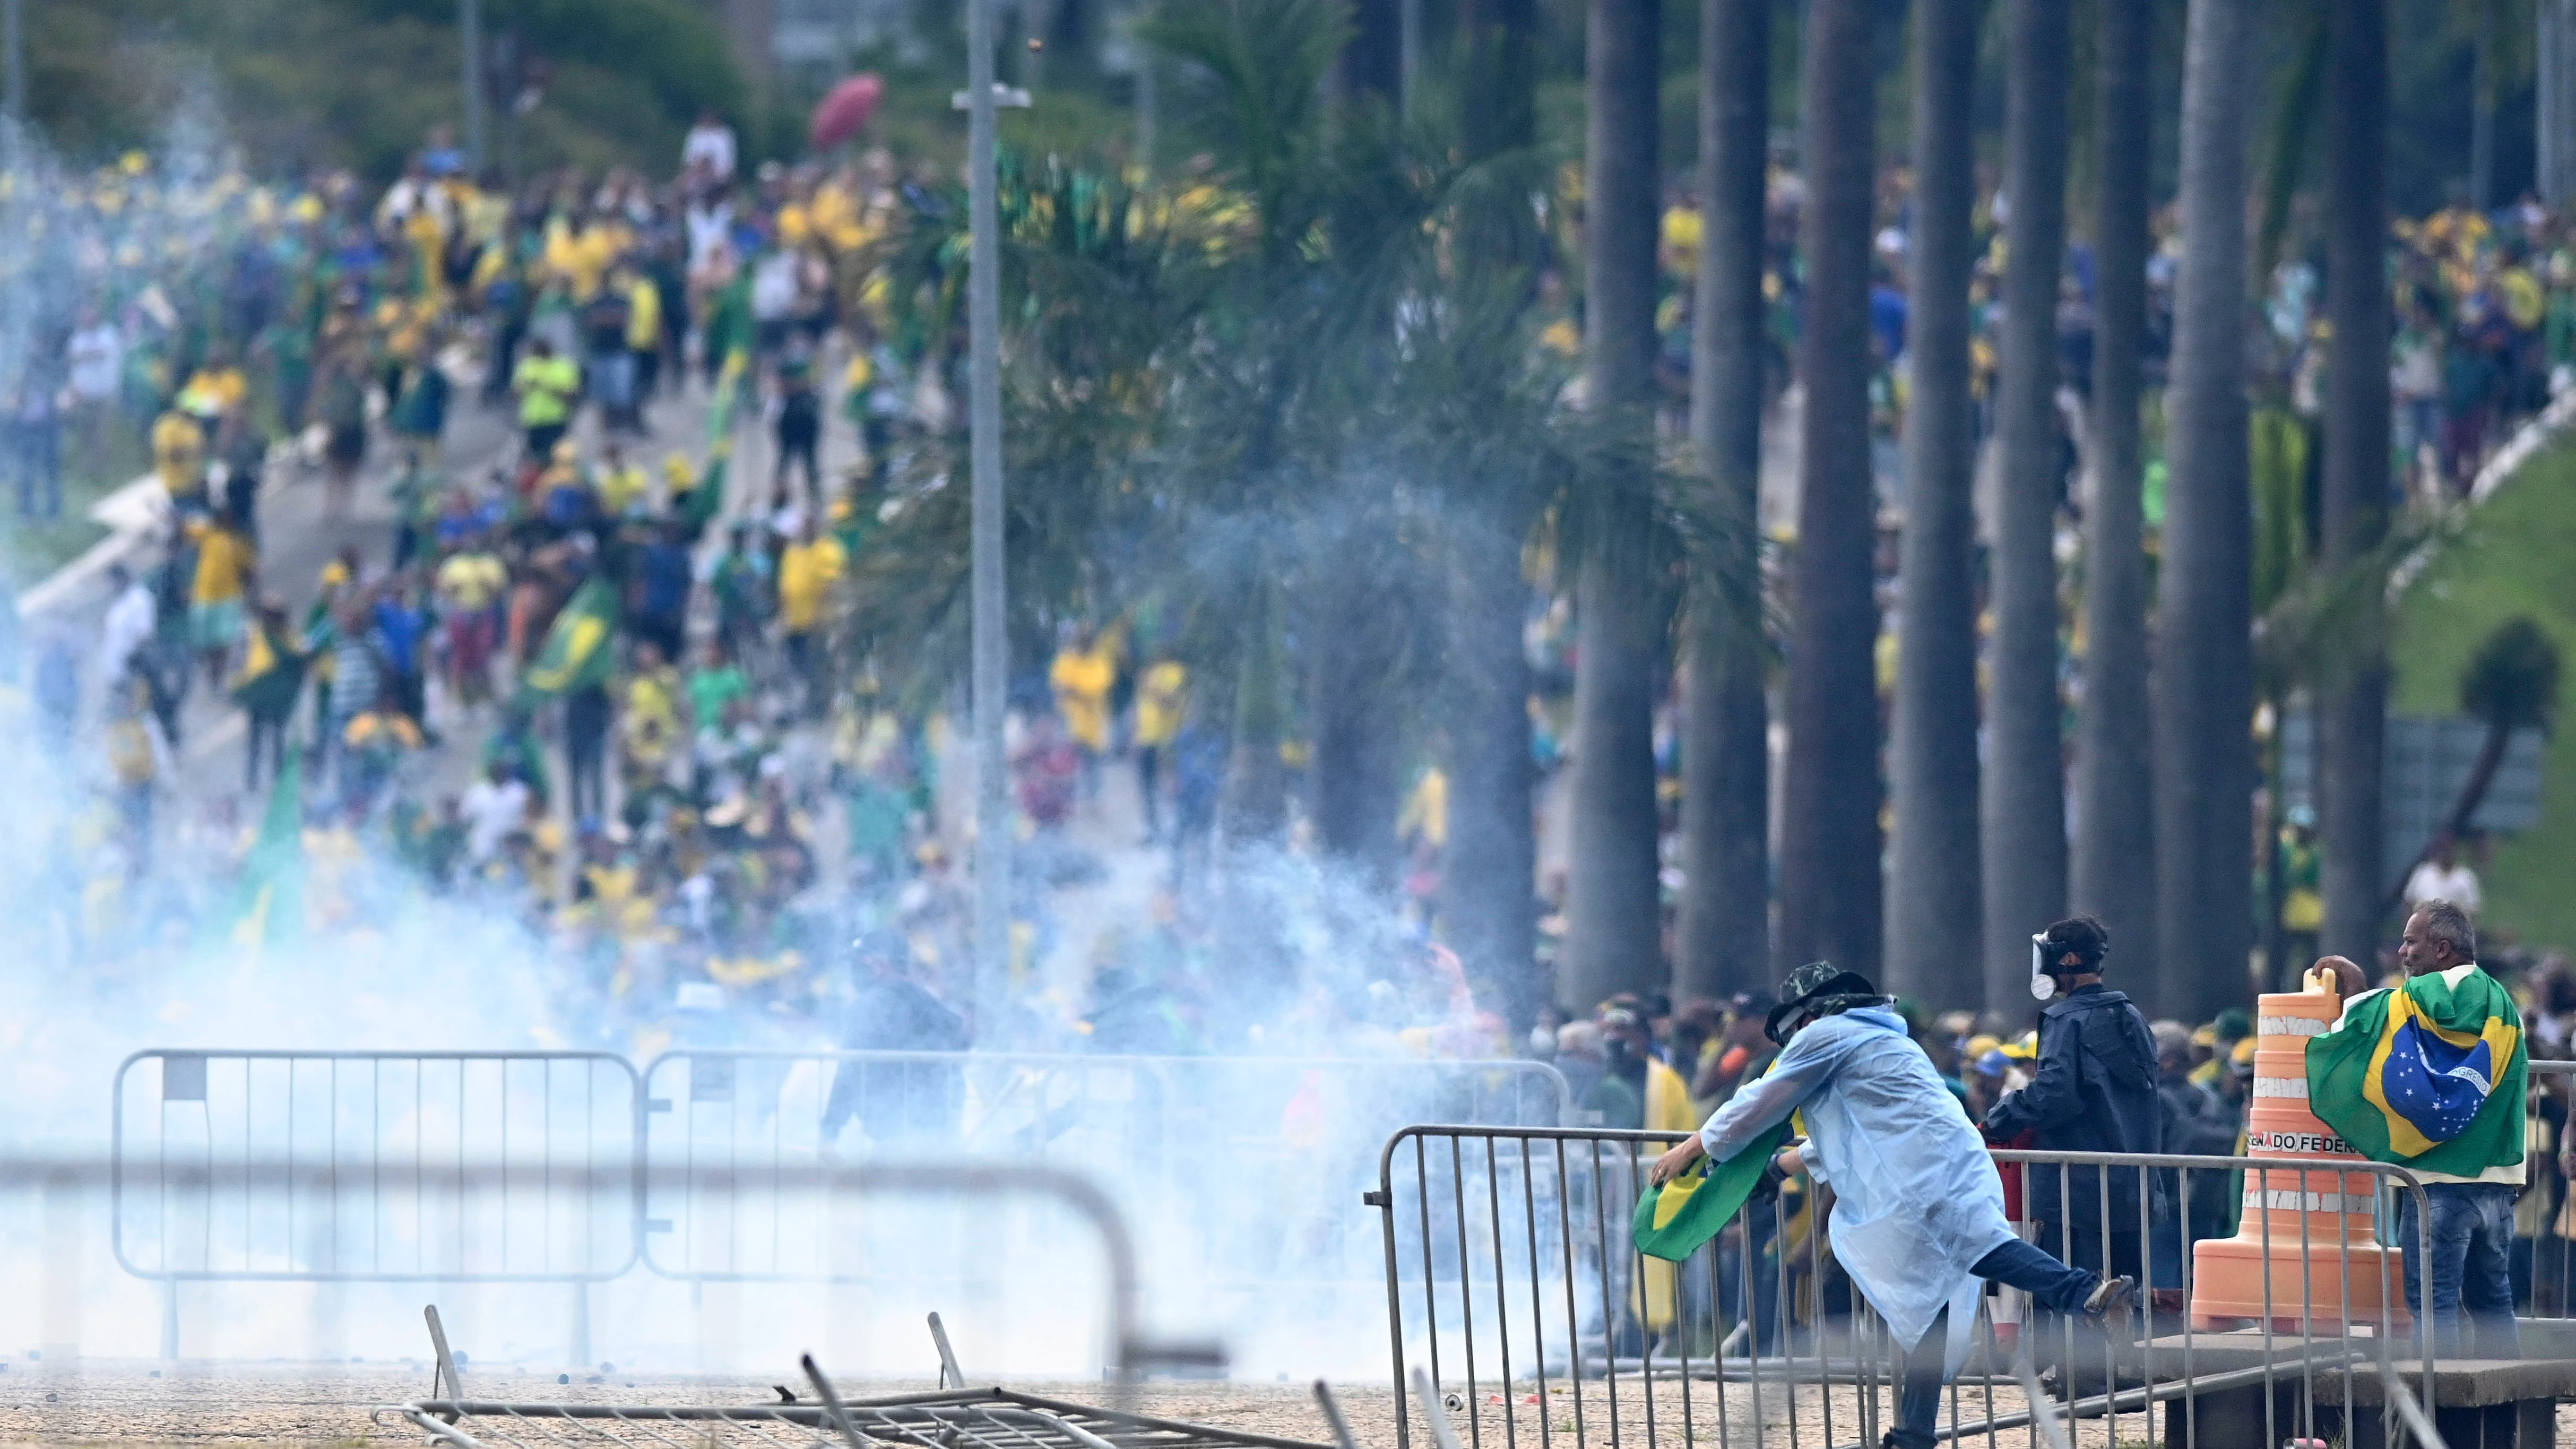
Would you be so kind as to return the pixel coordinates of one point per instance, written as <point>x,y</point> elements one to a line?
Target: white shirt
<point>774,286</point>
<point>712,145</point>
<point>94,356</point>
<point>2458,885</point>
<point>491,812</point>
<point>128,625</point>
<point>709,226</point>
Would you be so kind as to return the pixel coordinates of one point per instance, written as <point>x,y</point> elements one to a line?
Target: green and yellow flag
<point>2427,1075</point>
<point>576,653</point>
<point>1673,1220</point>
<point>269,904</point>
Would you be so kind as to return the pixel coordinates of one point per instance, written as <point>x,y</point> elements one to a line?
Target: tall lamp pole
<point>991,672</point>
<point>13,21</point>
<point>469,44</point>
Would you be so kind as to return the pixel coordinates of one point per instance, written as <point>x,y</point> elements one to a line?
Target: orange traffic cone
<point>2310,1290</point>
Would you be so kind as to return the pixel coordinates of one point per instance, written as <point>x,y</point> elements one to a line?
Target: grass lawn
<point>31,550</point>
<point>2518,557</point>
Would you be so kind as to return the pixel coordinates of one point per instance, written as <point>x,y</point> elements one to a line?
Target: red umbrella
<point>845,110</point>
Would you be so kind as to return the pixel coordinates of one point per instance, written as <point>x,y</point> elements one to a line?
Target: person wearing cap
<point>2197,1123</point>
<point>1918,1211</point>
<point>2093,1090</point>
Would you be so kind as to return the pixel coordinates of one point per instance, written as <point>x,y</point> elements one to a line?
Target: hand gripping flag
<point>1673,1219</point>
<point>2428,1075</point>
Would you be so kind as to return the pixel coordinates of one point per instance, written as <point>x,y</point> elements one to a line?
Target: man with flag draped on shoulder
<point>2430,1076</point>
<point>1918,1213</point>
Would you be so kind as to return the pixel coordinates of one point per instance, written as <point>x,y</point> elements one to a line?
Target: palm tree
<point>1829,839</point>
<point>2203,686</point>
<point>1932,891</point>
<point>1726,907</point>
<point>2023,790</point>
<point>1613,935</point>
<point>1488,876</point>
<point>2352,720</point>
<point>2114,875</point>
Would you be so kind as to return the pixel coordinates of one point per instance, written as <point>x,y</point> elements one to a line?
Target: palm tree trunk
<point>2114,875</point>
<point>2023,791</point>
<point>1489,872</point>
<point>1725,928</point>
<point>1932,891</point>
<point>2203,688</point>
<point>1362,608</point>
<point>1371,62</point>
<point>2352,720</point>
<point>1613,927</point>
<point>1829,838</point>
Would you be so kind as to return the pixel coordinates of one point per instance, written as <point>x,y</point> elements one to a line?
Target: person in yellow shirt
<point>622,486</point>
<point>178,452</point>
<point>644,334</point>
<point>547,386</point>
<point>1082,676</point>
<point>225,563</point>
<point>469,593</point>
<point>649,725</point>
<point>807,569</point>
<point>1162,700</point>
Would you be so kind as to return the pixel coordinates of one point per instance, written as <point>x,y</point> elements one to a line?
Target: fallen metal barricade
<point>955,1417</point>
<point>1510,1279</point>
<point>735,1141</point>
<point>342,1167</point>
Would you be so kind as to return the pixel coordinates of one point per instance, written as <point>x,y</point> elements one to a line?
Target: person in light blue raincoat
<point>1918,1214</point>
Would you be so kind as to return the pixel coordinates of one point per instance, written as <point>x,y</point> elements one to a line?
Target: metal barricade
<point>1511,1278</point>
<point>736,1144</point>
<point>374,1166</point>
<point>2545,1216</point>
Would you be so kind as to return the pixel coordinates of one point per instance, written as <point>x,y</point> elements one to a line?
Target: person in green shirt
<point>546,385</point>
<point>715,683</point>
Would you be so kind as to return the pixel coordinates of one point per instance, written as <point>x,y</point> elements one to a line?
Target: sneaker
<point>2110,1296</point>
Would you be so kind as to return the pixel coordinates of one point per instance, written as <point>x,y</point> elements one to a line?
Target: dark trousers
<point>267,736</point>
<point>800,445</point>
<point>2051,1284</point>
<point>1149,780</point>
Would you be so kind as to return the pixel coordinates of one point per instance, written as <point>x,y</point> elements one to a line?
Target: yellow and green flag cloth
<point>2428,1075</point>
<point>1675,1218</point>
<point>576,653</point>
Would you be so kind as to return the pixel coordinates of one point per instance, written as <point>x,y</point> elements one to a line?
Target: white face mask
<point>2042,985</point>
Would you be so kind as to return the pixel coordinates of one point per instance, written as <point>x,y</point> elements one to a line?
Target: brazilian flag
<point>272,671</point>
<point>577,652</point>
<point>2428,1075</point>
<point>1674,1219</point>
<point>270,901</point>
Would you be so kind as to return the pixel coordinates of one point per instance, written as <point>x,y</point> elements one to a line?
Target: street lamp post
<point>13,21</point>
<point>469,44</point>
<point>991,668</point>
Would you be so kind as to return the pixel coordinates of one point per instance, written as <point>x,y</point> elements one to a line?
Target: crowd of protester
<point>696,805</point>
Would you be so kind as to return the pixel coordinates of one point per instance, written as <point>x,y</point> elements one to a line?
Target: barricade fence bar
<point>2544,1265</point>
<point>737,1142</point>
<point>364,1158</point>
<point>1512,1283</point>
<point>53,1203</point>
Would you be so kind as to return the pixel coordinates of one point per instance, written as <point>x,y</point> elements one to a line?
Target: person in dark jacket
<point>2094,1091</point>
<point>902,1102</point>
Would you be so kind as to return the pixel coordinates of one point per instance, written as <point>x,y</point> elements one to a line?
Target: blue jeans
<point>2470,1239</point>
<point>2051,1285</point>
